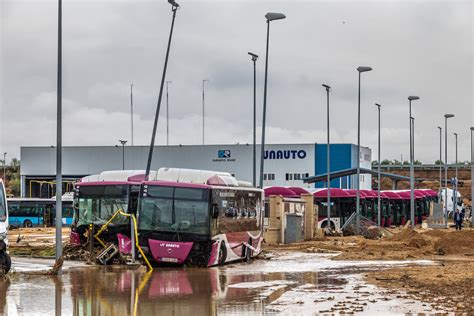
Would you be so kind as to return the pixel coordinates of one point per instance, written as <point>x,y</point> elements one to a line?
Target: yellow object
<point>104,227</point>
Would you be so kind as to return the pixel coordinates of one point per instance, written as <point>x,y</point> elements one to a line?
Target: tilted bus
<point>98,197</point>
<point>197,217</point>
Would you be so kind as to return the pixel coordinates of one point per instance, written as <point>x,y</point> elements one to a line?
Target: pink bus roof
<point>391,195</point>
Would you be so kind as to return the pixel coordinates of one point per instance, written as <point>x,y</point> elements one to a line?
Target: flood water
<point>288,284</point>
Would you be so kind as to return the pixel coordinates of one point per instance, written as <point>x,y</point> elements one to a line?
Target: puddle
<point>290,283</point>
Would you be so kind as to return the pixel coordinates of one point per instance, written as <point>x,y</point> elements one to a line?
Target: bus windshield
<point>175,210</point>
<point>3,209</point>
<point>97,204</point>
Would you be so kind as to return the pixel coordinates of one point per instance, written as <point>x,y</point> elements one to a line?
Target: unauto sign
<point>285,154</point>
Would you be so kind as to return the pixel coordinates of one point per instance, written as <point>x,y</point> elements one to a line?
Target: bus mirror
<point>215,211</point>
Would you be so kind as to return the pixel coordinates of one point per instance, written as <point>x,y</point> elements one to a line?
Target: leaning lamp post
<point>270,17</point>
<point>174,8</point>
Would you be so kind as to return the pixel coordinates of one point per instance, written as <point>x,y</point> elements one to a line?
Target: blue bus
<point>35,212</point>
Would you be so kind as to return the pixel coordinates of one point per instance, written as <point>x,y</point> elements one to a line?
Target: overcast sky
<point>420,48</point>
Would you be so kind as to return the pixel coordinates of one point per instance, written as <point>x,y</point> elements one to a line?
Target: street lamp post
<point>360,69</point>
<point>446,116</point>
<point>254,164</point>
<point>59,177</point>
<point>440,157</point>
<point>270,17</point>
<point>412,168</point>
<point>123,142</point>
<point>455,184</point>
<point>203,110</point>
<point>4,166</point>
<point>328,162</point>
<point>167,115</point>
<point>472,178</point>
<point>378,169</point>
<point>174,8</point>
<point>131,110</point>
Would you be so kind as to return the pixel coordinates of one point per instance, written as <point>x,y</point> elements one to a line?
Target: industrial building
<point>285,164</point>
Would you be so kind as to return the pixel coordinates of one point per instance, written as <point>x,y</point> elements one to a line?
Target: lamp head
<point>270,16</point>
<point>448,115</point>
<point>173,3</point>
<point>472,128</point>
<point>413,97</point>
<point>123,142</point>
<point>363,68</point>
<point>254,56</point>
<point>378,105</point>
<point>455,134</point>
<point>327,87</point>
<point>440,128</point>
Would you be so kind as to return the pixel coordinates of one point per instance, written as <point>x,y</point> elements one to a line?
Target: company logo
<point>285,154</point>
<point>223,153</point>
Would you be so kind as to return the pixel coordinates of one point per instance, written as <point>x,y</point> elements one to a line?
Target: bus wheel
<point>222,253</point>
<point>27,223</point>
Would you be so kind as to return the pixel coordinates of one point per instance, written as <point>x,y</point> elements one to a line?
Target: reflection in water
<point>105,291</point>
<point>294,285</point>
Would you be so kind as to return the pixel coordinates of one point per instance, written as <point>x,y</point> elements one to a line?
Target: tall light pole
<point>167,115</point>
<point>203,110</point>
<point>59,178</point>
<point>360,69</point>
<point>412,168</point>
<point>455,184</point>
<point>4,166</point>
<point>131,110</point>
<point>472,178</point>
<point>174,8</point>
<point>328,161</point>
<point>254,164</point>
<point>378,169</point>
<point>270,17</point>
<point>440,157</point>
<point>123,142</point>
<point>446,116</point>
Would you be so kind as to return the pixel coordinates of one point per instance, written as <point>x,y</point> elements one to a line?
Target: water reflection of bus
<point>98,197</point>
<point>33,212</point>
<point>211,221</point>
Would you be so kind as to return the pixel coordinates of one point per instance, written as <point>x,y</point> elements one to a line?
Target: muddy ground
<point>449,284</point>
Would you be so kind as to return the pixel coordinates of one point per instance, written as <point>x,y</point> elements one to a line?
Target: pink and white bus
<point>210,219</point>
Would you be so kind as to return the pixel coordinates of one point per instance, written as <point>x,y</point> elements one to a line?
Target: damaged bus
<point>197,217</point>
<point>99,197</point>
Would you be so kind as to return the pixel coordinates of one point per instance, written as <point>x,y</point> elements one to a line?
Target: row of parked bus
<point>395,205</point>
<point>183,216</point>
